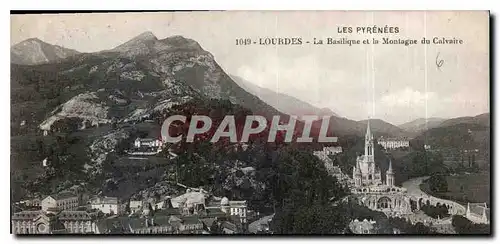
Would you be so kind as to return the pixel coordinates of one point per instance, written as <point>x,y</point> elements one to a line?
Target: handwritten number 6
<point>439,62</point>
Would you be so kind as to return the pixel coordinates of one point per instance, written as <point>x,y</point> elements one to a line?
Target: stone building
<point>393,143</point>
<point>363,227</point>
<point>52,222</point>
<point>61,201</point>
<point>166,225</point>
<point>107,205</point>
<point>35,202</point>
<point>236,208</point>
<point>147,142</point>
<point>135,206</point>
<point>327,151</point>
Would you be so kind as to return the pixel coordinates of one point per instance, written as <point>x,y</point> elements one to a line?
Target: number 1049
<point>243,41</point>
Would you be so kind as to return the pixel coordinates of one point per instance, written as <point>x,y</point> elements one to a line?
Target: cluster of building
<point>192,212</point>
<point>58,213</point>
<point>393,143</point>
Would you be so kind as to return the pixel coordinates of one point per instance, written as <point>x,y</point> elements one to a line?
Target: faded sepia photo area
<point>250,123</point>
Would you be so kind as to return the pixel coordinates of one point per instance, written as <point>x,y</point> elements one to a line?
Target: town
<point>178,130</point>
<point>197,211</point>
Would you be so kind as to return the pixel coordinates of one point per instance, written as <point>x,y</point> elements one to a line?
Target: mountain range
<point>92,105</point>
<point>127,83</point>
<point>147,75</point>
<point>282,102</point>
<point>421,124</point>
<point>34,51</point>
<point>460,133</point>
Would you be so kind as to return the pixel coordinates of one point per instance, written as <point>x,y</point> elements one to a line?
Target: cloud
<point>408,97</point>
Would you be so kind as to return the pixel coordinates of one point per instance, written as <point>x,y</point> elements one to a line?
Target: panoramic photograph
<point>250,123</point>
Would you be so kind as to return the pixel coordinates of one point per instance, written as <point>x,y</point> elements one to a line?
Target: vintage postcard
<point>251,122</point>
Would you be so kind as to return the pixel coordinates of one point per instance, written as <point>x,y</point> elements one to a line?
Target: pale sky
<point>395,83</point>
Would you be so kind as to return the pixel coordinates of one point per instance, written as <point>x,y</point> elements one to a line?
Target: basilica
<point>366,173</point>
<point>371,190</point>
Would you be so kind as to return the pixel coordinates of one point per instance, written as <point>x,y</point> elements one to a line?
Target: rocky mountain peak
<point>31,41</point>
<point>140,44</point>
<point>181,42</point>
<point>28,43</point>
<point>145,36</point>
<point>147,44</point>
<point>34,51</point>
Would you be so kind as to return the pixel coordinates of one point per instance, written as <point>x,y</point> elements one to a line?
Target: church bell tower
<point>369,144</point>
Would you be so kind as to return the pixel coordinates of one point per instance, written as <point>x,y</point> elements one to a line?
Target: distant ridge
<point>421,124</point>
<point>34,51</point>
<point>283,102</point>
<point>383,127</point>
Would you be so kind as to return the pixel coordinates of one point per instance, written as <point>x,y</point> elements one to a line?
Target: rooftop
<point>117,225</point>
<point>105,200</point>
<point>167,212</point>
<point>189,198</point>
<point>215,212</point>
<point>146,139</point>
<point>74,215</point>
<point>392,139</point>
<point>238,203</point>
<point>63,195</point>
<point>26,215</point>
<point>229,225</point>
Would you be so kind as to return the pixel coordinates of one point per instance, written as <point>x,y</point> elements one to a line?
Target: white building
<point>191,197</point>
<point>393,143</point>
<point>332,150</point>
<point>30,202</point>
<point>61,201</point>
<point>147,142</point>
<point>362,227</point>
<point>478,213</point>
<point>135,206</point>
<point>107,205</point>
<point>237,208</point>
<point>327,151</point>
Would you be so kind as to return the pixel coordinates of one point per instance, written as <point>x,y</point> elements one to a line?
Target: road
<point>413,189</point>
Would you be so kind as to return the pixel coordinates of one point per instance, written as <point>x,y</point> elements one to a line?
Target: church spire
<point>368,128</point>
<point>390,167</point>
<point>369,147</point>
<point>368,134</point>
